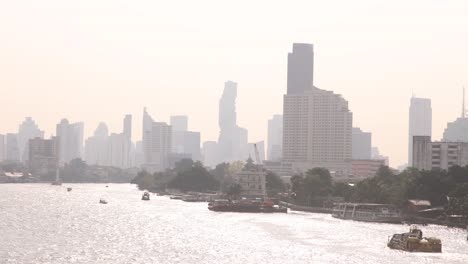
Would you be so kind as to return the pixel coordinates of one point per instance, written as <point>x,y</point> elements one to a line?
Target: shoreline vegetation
<point>445,191</point>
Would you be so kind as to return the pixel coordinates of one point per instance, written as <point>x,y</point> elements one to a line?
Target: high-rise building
<point>96,150</point>
<point>127,126</point>
<point>70,137</point>
<point>157,147</point>
<point>12,149</point>
<point>232,141</point>
<point>179,123</point>
<point>118,150</point>
<point>362,144</point>
<point>316,123</point>
<point>2,148</point>
<point>26,131</point>
<point>420,122</point>
<point>275,137</point>
<point>300,68</point>
<point>43,159</point>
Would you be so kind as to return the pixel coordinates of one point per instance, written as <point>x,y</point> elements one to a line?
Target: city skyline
<point>72,79</point>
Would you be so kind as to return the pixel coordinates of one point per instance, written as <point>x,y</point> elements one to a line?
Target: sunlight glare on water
<point>41,223</point>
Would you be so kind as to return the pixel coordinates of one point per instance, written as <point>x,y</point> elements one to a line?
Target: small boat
<point>69,189</point>
<point>146,196</point>
<point>57,183</point>
<point>102,201</point>
<point>415,242</point>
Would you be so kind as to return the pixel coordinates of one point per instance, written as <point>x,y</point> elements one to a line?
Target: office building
<point>420,121</point>
<point>43,159</point>
<point>27,130</point>
<point>275,138</point>
<point>12,149</point>
<point>70,137</point>
<point>362,144</point>
<point>429,155</point>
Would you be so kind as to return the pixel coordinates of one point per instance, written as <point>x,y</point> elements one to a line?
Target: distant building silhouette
<point>275,138</point>
<point>456,130</point>
<point>70,137</point>
<point>362,144</point>
<point>127,126</point>
<point>43,158</point>
<point>12,149</point>
<point>232,141</point>
<point>26,131</point>
<point>428,155</point>
<point>96,146</point>
<point>2,148</point>
<point>156,144</point>
<point>420,122</point>
<point>316,123</point>
<point>300,68</point>
<point>184,141</point>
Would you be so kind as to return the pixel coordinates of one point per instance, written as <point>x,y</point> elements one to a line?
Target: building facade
<point>27,130</point>
<point>275,138</point>
<point>252,180</point>
<point>157,147</point>
<point>70,137</point>
<point>43,159</point>
<point>316,123</point>
<point>12,149</point>
<point>420,121</point>
<point>365,168</point>
<point>429,155</point>
<point>362,144</point>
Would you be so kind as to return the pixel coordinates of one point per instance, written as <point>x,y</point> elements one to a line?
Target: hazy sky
<point>95,61</point>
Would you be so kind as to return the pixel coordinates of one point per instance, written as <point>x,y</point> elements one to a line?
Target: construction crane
<point>260,169</point>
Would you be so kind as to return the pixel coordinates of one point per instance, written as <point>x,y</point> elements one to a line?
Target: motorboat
<point>146,196</point>
<point>415,242</point>
<point>102,201</point>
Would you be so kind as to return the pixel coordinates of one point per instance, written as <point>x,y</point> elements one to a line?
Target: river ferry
<point>367,212</point>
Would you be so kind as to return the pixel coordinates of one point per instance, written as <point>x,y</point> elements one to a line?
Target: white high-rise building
<point>70,137</point>
<point>118,150</point>
<point>210,153</point>
<point>157,147</point>
<point>26,131</point>
<point>96,146</point>
<point>420,122</point>
<point>316,123</point>
<point>275,137</point>
<point>184,141</point>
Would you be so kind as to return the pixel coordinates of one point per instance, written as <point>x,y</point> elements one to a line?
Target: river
<point>41,223</point>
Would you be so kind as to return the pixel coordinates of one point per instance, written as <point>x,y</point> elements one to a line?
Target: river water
<point>46,224</point>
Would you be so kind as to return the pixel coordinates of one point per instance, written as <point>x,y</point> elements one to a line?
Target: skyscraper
<point>316,123</point>
<point>179,123</point>
<point>26,131</point>
<point>43,158</point>
<point>127,126</point>
<point>275,137</point>
<point>300,68</point>
<point>96,146</point>
<point>458,129</point>
<point>420,122</point>
<point>70,137</point>
<point>157,147</point>
<point>232,141</point>
<point>362,144</point>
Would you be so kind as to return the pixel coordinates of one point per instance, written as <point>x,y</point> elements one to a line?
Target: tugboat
<point>415,242</point>
<point>102,201</point>
<point>146,196</point>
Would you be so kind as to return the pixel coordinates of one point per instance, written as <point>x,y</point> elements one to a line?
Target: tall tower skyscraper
<point>275,137</point>
<point>70,138</point>
<point>316,123</point>
<point>26,131</point>
<point>127,126</point>
<point>233,140</point>
<point>300,68</point>
<point>420,122</point>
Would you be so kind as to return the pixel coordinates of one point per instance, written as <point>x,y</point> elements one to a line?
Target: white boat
<point>367,212</point>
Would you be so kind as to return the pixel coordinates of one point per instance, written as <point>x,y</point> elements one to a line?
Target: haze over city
<point>95,61</point>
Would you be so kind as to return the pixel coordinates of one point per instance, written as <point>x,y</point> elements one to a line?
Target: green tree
<point>274,184</point>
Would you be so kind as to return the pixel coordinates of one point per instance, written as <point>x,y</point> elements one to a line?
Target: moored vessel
<point>245,206</point>
<point>367,212</point>
<point>102,201</point>
<point>415,242</point>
